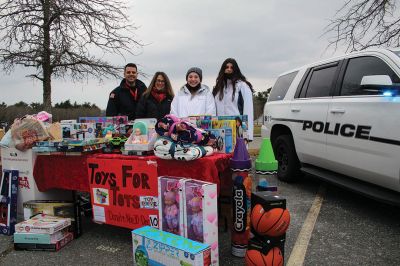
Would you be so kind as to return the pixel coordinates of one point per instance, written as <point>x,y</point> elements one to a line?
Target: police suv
<point>339,120</point>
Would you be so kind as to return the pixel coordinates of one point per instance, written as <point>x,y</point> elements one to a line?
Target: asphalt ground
<point>329,226</point>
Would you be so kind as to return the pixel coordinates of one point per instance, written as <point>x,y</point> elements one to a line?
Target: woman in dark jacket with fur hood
<point>156,100</point>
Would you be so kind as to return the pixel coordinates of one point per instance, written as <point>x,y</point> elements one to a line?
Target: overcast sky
<point>266,37</point>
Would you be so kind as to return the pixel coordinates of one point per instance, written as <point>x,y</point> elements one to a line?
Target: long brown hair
<point>167,85</point>
<point>222,79</point>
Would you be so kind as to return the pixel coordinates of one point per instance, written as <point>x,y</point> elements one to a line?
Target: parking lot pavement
<point>349,230</point>
<point>352,229</point>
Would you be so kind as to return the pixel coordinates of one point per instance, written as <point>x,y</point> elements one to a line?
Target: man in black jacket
<point>124,98</point>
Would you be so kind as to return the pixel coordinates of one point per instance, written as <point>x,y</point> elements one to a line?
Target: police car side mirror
<point>376,80</point>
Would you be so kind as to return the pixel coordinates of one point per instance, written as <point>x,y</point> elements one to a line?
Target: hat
<point>195,70</point>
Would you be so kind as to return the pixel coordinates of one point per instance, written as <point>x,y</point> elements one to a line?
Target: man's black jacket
<point>123,100</point>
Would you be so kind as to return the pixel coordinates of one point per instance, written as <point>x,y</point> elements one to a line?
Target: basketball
<point>256,258</point>
<point>273,223</point>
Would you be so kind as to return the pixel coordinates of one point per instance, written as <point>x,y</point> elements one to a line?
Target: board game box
<point>42,224</point>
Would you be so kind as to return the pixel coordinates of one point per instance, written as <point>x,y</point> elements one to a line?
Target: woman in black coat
<point>156,100</point>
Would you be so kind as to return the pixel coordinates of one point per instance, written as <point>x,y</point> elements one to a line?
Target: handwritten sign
<point>123,192</point>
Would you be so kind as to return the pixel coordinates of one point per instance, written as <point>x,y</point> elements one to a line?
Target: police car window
<point>281,86</point>
<point>359,67</point>
<point>320,82</point>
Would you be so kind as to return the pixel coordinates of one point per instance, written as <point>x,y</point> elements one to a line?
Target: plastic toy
<point>115,144</point>
<point>138,137</point>
<point>117,141</point>
<point>107,132</point>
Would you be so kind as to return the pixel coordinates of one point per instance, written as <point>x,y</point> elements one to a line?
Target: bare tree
<point>59,38</point>
<point>365,23</point>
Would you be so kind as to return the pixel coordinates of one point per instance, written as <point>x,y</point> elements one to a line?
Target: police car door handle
<point>337,111</point>
<point>295,109</point>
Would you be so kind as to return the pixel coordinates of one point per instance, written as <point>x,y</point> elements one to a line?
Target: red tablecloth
<point>70,172</point>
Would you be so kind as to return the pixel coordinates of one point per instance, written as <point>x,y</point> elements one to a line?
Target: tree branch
<point>363,24</point>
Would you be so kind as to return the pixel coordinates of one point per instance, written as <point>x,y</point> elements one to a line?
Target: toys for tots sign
<point>124,192</point>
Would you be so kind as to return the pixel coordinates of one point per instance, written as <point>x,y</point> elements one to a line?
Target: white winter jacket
<point>228,107</point>
<point>202,103</point>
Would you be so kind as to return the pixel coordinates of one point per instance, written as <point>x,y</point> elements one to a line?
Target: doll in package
<point>194,197</point>
<point>171,208</point>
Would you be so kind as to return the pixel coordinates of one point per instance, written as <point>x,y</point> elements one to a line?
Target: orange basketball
<point>256,214</point>
<point>273,223</point>
<point>256,258</point>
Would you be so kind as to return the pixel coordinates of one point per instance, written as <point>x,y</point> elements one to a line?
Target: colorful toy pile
<point>184,209</point>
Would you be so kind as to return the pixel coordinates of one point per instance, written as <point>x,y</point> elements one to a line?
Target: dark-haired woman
<point>156,100</point>
<point>233,94</point>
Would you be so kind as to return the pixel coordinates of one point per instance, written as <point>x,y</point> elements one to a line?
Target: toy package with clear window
<point>171,204</point>
<point>200,214</point>
<point>143,135</point>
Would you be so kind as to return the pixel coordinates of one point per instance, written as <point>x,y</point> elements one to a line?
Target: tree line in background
<point>68,110</point>
<point>60,111</point>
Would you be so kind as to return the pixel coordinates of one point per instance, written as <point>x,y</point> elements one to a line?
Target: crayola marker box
<point>154,247</point>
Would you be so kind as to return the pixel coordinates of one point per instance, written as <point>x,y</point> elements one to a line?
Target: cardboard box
<point>45,247</point>
<point>65,209</point>
<point>201,215</point>
<point>267,200</point>
<point>265,244</point>
<point>78,131</point>
<point>154,247</point>
<point>42,224</point>
<point>226,124</point>
<point>224,139</point>
<point>8,201</point>
<point>34,238</point>
<point>117,122</point>
<point>171,209</point>
<point>242,123</point>
<point>24,161</point>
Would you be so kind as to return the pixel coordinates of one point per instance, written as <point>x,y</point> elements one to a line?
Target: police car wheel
<point>285,154</point>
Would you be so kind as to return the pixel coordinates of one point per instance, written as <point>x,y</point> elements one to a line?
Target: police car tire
<point>288,162</point>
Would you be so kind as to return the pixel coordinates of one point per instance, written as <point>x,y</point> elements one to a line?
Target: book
<point>46,247</point>
<point>42,224</point>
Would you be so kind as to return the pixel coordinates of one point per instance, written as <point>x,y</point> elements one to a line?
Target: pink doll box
<point>170,197</point>
<point>201,215</point>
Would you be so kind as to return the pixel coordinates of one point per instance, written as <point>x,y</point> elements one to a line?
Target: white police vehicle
<point>339,120</point>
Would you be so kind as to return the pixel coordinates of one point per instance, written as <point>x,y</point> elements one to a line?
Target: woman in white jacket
<point>193,98</point>
<point>233,94</point>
